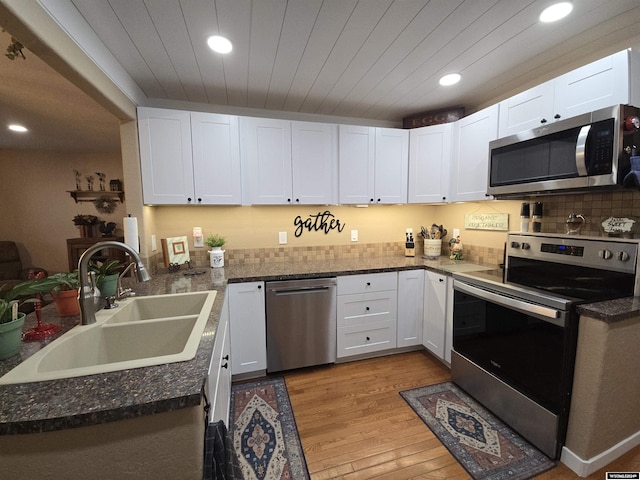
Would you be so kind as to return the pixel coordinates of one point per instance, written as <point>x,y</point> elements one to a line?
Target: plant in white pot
<point>216,254</point>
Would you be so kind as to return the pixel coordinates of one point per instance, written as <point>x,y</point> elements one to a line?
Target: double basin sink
<point>140,332</point>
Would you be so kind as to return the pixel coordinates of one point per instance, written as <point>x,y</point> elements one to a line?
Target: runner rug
<point>264,431</point>
<point>481,443</point>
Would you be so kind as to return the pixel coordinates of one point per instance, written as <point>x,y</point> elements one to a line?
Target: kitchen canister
<point>216,256</point>
<point>432,248</point>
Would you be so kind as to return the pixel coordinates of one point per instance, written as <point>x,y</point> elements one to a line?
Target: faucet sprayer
<point>87,283</point>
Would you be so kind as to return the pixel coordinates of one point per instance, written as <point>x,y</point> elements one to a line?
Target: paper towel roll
<point>130,225</point>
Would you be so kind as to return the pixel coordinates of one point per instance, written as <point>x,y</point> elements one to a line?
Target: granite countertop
<point>73,402</point>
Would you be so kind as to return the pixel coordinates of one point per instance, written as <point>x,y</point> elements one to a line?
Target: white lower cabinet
<point>435,310</point>
<point>247,327</point>
<point>219,380</point>
<point>367,313</point>
<point>410,307</point>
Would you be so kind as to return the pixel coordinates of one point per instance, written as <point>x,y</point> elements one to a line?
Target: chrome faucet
<point>88,283</point>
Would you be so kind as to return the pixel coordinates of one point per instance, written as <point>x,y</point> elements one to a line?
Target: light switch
<point>354,235</point>
<point>282,238</point>
<point>154,246</point>
<point>456,232</point>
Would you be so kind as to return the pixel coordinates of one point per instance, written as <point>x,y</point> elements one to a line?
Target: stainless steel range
<point>515,330</point>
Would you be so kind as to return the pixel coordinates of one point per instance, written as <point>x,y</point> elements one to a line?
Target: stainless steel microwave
<point>590,150</point>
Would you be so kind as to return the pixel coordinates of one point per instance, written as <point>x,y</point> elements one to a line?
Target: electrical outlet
<point>282,238</point>
<point>154,245</point>
<point>354,235</point>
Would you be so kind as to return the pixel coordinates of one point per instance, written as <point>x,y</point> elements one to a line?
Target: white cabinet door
<point>529,109</point>
<point>470,170</point>
<point>314,159</point>
<point>247,327</point>
<point>391,166</point>
<point>430,163</point>
<point>216,159</point>
<point>219,381</point>
<point>410,307</point>
<point>435,304</point>
<point>266,160</point>
<point>356,164</point>
<point>165,156</point>
<point>600,84</point>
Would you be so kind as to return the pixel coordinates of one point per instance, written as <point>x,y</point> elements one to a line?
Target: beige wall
<point>35,209</point>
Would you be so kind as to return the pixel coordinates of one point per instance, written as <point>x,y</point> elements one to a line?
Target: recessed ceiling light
<point>219,44</point>
<point>450,79</point>
<point>17,128</point>
<point>556,12</point>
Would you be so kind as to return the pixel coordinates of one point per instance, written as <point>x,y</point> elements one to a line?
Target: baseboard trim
<point>584,468</point>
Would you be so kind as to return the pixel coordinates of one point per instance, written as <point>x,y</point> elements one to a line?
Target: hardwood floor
<point>354,425</point>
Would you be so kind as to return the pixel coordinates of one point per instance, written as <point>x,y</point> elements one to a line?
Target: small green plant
<point>215,240</point>
<point>109,267</point>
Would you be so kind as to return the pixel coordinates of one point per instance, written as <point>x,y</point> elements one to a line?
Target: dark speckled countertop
<point>73,402</point>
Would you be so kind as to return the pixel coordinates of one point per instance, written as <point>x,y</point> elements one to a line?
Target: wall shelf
<point>91,195</point>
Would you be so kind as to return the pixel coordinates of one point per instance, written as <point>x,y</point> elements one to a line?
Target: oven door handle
<point>547,314</point>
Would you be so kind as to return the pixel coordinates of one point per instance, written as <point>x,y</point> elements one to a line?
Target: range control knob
<point>606,254</point>
<point>525,246</point>
<point>622,256</point>
<point>515,245</point>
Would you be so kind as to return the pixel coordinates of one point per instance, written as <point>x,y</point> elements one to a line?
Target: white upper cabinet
<point>189,158</point>
<point>529,109</point>
<point>266,160</point>
<point>391,165</point>
<point>373,165</point>
<point>470,160</point>
<point>166,156</point>
<point>600,84</point>
<point>356,163</point>
<point>216,159</point>
<point>314,159</point>
<point>288,162</point>
<point>430,163</point>
<point>597,85</point>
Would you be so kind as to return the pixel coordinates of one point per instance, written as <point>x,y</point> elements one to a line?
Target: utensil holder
<point>432,248</point>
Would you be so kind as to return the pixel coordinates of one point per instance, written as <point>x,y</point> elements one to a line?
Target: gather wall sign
<point>320,222</point>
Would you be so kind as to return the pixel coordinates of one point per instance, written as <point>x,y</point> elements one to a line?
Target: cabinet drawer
<point>369,282</point>
<point>366,308</point>
<point>372,337</point>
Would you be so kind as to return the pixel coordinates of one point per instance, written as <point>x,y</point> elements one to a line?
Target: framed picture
<point>175,250</point>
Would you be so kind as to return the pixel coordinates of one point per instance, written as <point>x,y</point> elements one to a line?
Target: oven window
<point>529,354</point>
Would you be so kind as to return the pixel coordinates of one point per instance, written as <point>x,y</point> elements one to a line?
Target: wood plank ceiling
<point>373,59</point>
<point>364,60</point>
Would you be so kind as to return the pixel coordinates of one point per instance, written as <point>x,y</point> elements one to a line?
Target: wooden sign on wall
<point>435,117</point>
<point>486,221</point>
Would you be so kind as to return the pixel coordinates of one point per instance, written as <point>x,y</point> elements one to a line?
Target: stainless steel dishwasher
<point>301,323</point>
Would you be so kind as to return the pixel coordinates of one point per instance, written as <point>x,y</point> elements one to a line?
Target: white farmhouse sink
<point>140,332</point>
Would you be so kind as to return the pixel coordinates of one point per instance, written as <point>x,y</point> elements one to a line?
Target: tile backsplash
<point>595,207</point>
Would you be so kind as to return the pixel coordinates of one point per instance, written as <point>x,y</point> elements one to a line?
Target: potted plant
<point>216,254</point>
<point>63,287</point>
<point>86,224</point>
<point>107,274</point>
<point>11,322</point>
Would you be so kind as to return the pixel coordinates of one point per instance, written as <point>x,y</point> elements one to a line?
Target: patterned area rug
<point>264,431</point>
<point>483,445</point>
